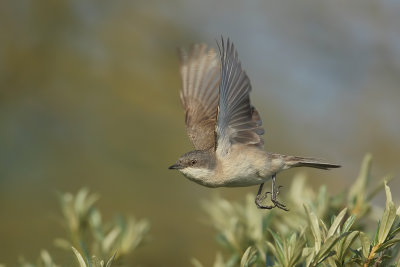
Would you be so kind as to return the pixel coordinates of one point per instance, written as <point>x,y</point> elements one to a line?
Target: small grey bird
<point>225,129</point>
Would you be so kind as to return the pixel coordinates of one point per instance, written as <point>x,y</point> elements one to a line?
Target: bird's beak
<point>176,166</point>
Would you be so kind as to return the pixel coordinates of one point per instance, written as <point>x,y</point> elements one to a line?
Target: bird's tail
<point>292,161</point>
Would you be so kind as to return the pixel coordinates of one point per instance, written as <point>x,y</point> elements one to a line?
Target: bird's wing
<point>200,72</point>
<point>238,121</point>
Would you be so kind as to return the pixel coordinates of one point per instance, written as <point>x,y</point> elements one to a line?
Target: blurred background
<point>89,97</point>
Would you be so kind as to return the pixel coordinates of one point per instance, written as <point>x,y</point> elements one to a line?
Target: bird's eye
<point>193,161</point>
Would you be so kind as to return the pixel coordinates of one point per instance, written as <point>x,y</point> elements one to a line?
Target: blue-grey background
<point>89,97</point>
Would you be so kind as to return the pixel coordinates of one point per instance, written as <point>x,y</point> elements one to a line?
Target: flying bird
<point>225,129</point>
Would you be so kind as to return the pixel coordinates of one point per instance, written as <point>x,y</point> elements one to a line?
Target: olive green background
<point>89,97</point>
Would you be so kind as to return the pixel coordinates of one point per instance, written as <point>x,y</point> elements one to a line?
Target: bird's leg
<point>260,198</point>
<point>275,193</point>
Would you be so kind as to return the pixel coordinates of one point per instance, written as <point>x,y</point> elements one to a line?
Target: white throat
<point>199,175</point>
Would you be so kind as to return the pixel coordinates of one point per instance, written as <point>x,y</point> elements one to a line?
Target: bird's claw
<point>275,192</point>
<point>264,196</point>
<point>260,198</point>
<point>276,202</point>
<point>279,205</point>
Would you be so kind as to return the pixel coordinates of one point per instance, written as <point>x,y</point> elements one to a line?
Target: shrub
<point>319,230</point>
<point>88,235</point>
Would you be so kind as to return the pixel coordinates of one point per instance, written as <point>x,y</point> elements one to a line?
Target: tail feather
<point>292,161</point>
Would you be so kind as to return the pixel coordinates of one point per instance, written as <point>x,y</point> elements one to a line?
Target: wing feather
<point>238,121</point>
<point>200,72</point>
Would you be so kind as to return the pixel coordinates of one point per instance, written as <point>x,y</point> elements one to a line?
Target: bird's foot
<point>276,202</point>
<point>275,192</point>
<point>260,198</point>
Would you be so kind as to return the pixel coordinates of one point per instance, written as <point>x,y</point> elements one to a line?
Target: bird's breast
<point>242,167</point>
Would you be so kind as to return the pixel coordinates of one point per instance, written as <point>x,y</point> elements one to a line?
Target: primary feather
<point>200,72</point>
<point>238,121</point>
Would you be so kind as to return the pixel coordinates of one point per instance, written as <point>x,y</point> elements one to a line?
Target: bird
<point>225,128</point>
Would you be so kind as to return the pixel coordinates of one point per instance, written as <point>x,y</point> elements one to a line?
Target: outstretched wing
<point>238,121</point>
<point>200,72</point>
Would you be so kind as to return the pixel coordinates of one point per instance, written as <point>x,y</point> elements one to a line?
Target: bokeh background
<point>89,97</point>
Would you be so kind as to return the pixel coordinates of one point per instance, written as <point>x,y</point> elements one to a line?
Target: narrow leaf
<point>356,193</point>
<point>314,228</point>
<point>309,254</point>
<point>365,244</point>
<point>346,243</point>
<point>278,247</point>
<point>336,222</point>
<point>329,254</point>
<point>388,217</point>
<point>79,257</point>
<point>111,260</point>
<point>247,257</point>
<point>326,248</point>
<point>348,223</point>
<point>196,263</point>
<point>110,239</point>
<point>95,262</point>
<point>46,258</point>
<point>394,232</point>
<point>387,244</point>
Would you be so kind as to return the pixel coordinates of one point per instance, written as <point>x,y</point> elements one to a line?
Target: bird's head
<point>195,165</point>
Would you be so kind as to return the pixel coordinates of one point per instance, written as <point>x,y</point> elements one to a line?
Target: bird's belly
<point>243,181</point>
<point>244,173</point>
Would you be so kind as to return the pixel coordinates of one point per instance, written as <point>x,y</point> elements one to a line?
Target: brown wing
<point>238,121</point>
<point>200,72</point>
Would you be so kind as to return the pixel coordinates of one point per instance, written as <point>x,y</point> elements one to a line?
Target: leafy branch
<point>319,230</point>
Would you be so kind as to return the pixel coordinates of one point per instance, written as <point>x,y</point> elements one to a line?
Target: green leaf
<point>279,249</point>
<point>248,257</point>
<point>326,248</point>
<point>219,261</point>
<point>295,249</point>
<point>357,191</point>
<point>329,254</point>
<point>260,247</point>
<point>314,228</point>
<point>323,229</point>
<point>365,244</point>
<point>80,198</point>
<point>309,254</point>
<point>196,263</point>
<point>110,239</point>
<point>348,223</point>
<point>388,217</point>
<point>62,243</point>
<point>79,257</point>
<point>345,244</point>
<point>375,241</point>
<point>379,187</point>
<point>46,258</point>
<point>95,262</point>
<point>111,260</point>
<point>291,245</point>
<point>336,222</point>
<point>387,244</point>
<point>357,253</point>
<point>394,232</point>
